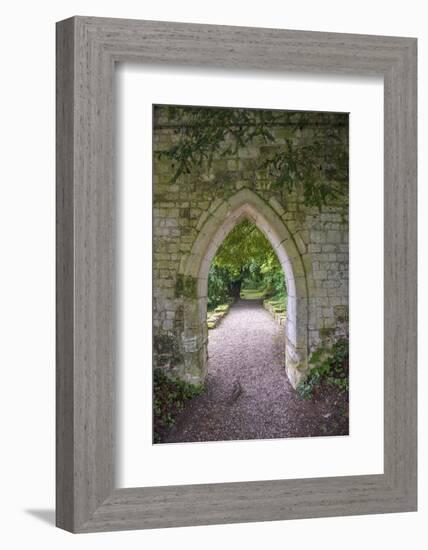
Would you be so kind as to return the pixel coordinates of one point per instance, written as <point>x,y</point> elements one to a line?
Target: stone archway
<point>193,274</point>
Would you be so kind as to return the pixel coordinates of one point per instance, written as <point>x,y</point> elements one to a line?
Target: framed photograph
<point>236,274</point>
<point>254,234</point>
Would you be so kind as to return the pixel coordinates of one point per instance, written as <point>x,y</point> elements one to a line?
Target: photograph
<point>250,274</point>
<point>210,264</point>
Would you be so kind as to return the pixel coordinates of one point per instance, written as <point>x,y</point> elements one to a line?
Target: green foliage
<point>220,282</point>
<point>203,132</point>
<point>273,278</point>
<point>247,260</point>
<point>318,171</point>
<point>169,397</point>
<point>331,367</point>
<point>245,247</point>
<point>317,167</point>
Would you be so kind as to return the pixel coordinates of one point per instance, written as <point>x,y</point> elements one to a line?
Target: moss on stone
<point>326,332</point>
<point>185,286</point>
<point>341,313</point>
<point>166,348</point>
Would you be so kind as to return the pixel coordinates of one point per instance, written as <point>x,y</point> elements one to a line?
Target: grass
<point>252,294</point>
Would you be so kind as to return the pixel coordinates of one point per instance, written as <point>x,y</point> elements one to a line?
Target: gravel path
<point>248,395</point>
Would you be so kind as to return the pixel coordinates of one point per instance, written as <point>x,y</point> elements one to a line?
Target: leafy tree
<point>245,258</point>
<point>221,285</point>
<point>244,243</point>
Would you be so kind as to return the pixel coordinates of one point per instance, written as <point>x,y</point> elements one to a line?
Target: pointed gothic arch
<point>194,268</point>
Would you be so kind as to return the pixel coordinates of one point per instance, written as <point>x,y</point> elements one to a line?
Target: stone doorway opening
<point>215,225</point>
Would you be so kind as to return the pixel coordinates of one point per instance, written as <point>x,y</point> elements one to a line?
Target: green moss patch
<point>186,286</point>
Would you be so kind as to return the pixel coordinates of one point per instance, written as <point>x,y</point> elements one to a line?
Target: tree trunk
<point>235,289</point>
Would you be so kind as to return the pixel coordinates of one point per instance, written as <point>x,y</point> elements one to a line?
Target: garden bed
<point>214,317</point>
<point>277,308</point>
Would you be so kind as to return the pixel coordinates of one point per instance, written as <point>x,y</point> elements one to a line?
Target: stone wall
<point>193,215</point>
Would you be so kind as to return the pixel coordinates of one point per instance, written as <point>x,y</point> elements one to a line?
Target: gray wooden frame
<point>87,50</point>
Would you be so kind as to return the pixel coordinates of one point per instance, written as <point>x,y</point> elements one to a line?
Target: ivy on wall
<point>315,167</point>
